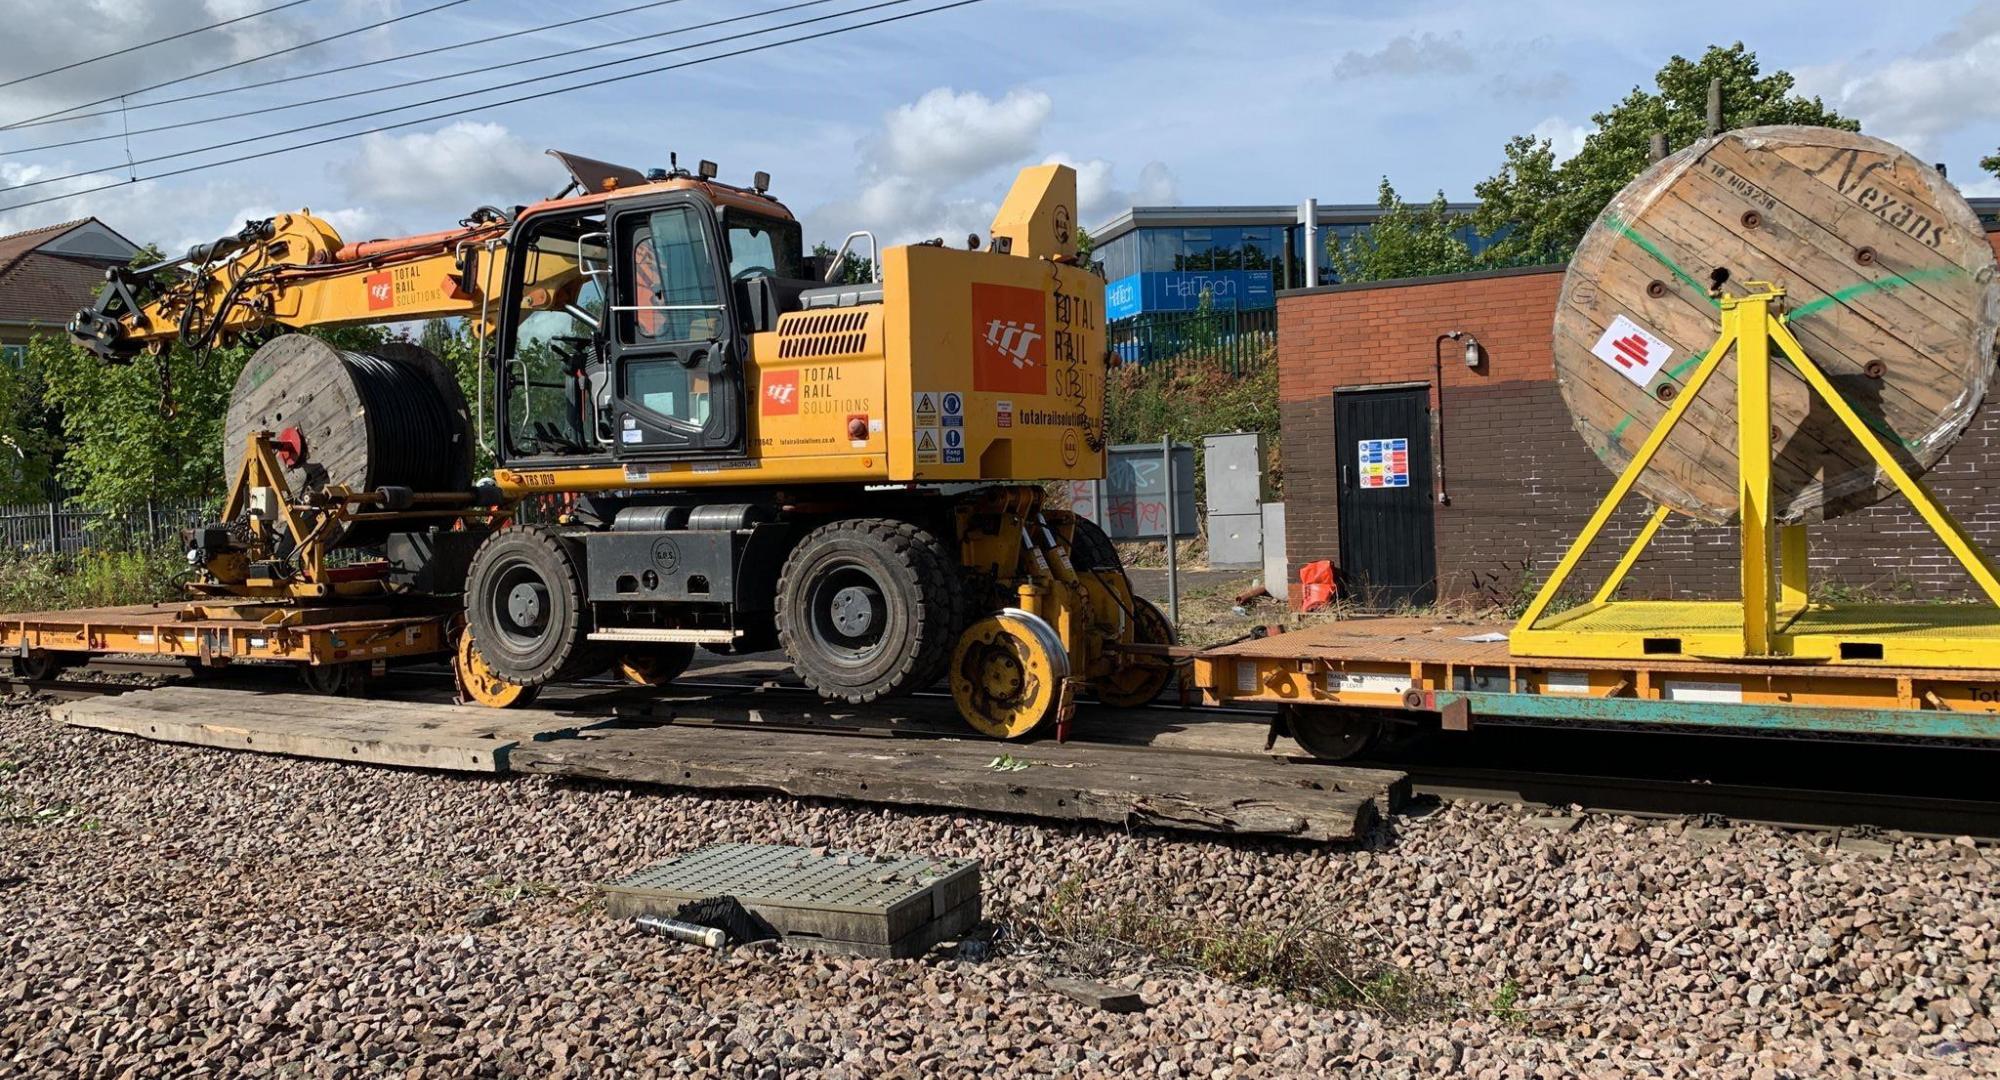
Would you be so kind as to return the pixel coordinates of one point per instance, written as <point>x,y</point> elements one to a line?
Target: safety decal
<point>1633,351</point>
<point>951,408</point>
<point>954,446</point>
<point>927,446</point>
<point>926,408</point>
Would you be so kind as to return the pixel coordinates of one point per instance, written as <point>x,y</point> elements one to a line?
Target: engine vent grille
<point>834,333</point>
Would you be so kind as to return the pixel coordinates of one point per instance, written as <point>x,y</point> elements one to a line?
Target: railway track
<point>1923,791</point>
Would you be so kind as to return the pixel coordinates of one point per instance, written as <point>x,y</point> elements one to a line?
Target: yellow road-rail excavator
<point>746,448</point>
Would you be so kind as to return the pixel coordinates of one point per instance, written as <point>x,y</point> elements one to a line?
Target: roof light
<point>707,170</point>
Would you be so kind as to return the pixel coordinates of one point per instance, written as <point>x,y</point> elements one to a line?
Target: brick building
<point>1518,482</point>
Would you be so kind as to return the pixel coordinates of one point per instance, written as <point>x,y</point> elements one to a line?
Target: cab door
<point>676,353</point>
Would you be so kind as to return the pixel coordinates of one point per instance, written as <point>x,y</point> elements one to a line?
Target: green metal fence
<point>1233,340</point>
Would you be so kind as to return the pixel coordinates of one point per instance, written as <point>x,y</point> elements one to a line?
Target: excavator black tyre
<point>869,607</point>
<point>1091,549</point>
<point>525,601</point>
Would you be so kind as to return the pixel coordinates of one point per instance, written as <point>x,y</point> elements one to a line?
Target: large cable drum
<point>1890,287</point>
<point>392,416</point>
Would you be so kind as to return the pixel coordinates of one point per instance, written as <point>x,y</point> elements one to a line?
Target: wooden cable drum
<point>1889,285</point>
<point>392,416</point>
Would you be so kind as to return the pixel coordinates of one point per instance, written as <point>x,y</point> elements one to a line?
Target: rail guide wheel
<point>1007,673</point>
<point>655,666</point>
<point>479,684</point>
<point>1139,679</point>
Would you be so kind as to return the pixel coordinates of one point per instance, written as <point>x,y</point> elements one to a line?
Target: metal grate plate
<point>766,875</point>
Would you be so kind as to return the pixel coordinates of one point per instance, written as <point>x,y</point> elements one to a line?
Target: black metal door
<point>1388,554</point>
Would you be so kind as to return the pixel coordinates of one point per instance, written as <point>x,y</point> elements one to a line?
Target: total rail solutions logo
<point>1009,340</point>
<point>381,290</point>
<point>781,394</point>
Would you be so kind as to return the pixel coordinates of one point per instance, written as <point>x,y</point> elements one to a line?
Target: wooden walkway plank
<point>1212,794</point>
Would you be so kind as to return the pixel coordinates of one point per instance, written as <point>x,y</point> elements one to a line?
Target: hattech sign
<point>1181,290</point>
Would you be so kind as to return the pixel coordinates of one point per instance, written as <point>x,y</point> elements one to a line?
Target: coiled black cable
<point>410,429</point>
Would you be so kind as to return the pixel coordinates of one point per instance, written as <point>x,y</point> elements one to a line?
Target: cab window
<point>670,294</point>
<point>761,247</point>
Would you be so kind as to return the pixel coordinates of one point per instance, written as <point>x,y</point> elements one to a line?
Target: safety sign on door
<point>1385,463</point>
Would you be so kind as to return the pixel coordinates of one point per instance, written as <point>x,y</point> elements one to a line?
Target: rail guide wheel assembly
<point>479,684</point>
<point>1009,673</point>
<point>1138,679</point>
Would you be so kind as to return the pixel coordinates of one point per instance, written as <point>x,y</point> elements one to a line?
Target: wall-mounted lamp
<point>1473,352</point>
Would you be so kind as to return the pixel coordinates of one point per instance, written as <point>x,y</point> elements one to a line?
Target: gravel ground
<point>175,911</point>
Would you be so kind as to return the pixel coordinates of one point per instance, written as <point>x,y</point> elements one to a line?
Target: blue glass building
<point>1162,258</point>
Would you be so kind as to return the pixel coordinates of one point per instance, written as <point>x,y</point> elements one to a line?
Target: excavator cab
<point>638,352</point>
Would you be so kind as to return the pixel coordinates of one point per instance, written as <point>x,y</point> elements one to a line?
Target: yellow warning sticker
<point>926,409</point>
<point>927,446</point>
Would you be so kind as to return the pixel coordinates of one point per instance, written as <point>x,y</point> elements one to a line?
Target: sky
<point>911,129</point>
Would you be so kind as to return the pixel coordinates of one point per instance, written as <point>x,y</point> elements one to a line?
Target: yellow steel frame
<point>1773,618</point>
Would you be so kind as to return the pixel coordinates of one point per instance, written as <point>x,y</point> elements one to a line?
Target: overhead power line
<point>246,61</point>
<point>488,69</point>
<point>156,41</point>
<point>130,164</point>
<point>747,50</point>
<point>303,75</point>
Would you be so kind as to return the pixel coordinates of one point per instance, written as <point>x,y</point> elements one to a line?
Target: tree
<point>854,270</point>
<point>1536,210</point>
<point>1991,163</point>
<point>1405,241</point>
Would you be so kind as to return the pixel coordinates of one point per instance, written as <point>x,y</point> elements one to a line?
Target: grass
<point>1302,959</point>
<point>98,578</point>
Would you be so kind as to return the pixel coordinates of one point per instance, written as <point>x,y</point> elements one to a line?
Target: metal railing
<point>1234,340</point>
<point>66,528</point>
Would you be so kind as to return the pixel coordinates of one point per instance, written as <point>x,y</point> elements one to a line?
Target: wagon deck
<point>1465,670</point>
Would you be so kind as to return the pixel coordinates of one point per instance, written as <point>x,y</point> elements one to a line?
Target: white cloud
<point>41,35</point>
<point>939,166</point>
<point>1565,139</point>
<point>1950,83</point>
<point>1099,196</point>
<point>449,170</point>
<point>946,137</point>
<point>1409,54</point>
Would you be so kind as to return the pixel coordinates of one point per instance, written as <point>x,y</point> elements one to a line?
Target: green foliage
<point>1304,958</point>
<point>1537,210</point>
<point>854,270</point>
<point>30,433</point>
<point>1084,246</point>
<point>1991,163</point>
<point>150,429</point>
<point>1185,401</point>
<point>125,440</point>
<point>1406,241</point>
<point>102,578</point>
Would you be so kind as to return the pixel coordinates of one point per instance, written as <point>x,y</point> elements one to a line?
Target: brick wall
<point>1521,482</point>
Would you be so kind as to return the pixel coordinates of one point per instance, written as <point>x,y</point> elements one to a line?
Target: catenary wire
<point>303,75</point>
<point>74,64</point>
<point>494,104</point>
<point>245,61</point>
<point>711,24</point>
<point>496,88</point>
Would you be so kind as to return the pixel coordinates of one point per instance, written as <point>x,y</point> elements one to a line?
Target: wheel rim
<point>1007,674</point>
<point>481,684</point>
<point>522,604</point>
<point>847,615</point>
